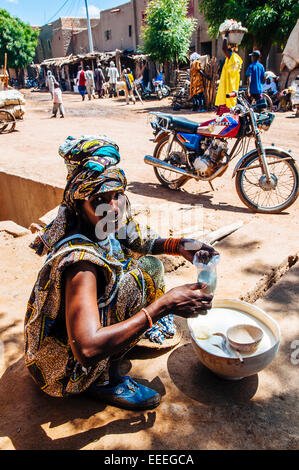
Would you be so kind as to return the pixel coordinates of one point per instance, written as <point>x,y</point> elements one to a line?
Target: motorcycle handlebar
<point>233,94</point>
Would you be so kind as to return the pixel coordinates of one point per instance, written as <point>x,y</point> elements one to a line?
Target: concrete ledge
<point>12,228</point>
<point>25,200</point>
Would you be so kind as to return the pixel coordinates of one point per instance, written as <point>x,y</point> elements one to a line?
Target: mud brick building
<point>56,39</point>
<point>120,28</point>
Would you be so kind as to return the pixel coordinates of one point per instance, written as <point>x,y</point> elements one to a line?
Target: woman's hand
<point>189,247</point>
<point>187,301</point>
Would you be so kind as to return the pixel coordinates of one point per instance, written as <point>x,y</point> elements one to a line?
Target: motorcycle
<point>182,96</point>
<point>266,178</point>
<point>156,87</point>
<point>161,90</point>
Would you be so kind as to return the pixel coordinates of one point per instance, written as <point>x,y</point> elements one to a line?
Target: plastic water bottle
<point>207,273</point>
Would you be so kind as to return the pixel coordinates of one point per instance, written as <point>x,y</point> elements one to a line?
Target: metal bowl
<point>235,37</point>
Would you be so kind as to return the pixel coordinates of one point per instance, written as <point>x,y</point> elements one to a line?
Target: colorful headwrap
<point>84,184</point>
<point>87,179</point>
<point>90,152</point>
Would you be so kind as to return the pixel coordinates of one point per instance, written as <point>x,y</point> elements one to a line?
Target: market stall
<point>65,69</point>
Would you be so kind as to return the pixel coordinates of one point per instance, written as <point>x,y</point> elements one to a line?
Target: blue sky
<point>39,12</point>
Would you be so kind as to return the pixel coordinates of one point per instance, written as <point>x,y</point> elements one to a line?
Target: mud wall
<point>24,200</point>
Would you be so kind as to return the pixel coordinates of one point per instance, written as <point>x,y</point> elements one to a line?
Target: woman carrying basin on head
<point>101,288</point>
<point>229,79</point>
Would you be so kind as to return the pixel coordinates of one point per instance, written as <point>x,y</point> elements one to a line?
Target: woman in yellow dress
<point>229,80</point>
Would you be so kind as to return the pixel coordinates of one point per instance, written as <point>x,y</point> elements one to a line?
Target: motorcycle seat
<point>182,124</point>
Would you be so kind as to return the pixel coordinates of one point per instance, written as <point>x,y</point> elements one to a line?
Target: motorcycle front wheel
<point>178,153</point>
<point>165,91</point>
<point>259,195</point>
<point>159,94</point>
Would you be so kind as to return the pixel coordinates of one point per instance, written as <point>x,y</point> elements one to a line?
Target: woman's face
<point>105,212</point>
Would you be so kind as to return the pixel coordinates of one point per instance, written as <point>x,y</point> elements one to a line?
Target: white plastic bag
<point>207,273</point>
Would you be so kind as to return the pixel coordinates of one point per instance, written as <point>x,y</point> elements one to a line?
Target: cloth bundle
<point>9,97</point>
<point>233,26</point>
<point>13,101</point>
<point>290,55</point>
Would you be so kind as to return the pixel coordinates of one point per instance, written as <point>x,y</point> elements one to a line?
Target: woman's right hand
<point>188,300</point>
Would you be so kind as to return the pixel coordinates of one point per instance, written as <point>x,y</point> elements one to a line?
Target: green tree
<point>268,21</point>
<point>168,30</point>
<point>18,40</point>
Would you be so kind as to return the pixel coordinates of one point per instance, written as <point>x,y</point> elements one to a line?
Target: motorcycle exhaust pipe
<point>166,166</point>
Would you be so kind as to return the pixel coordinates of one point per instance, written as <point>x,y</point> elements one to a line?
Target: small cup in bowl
<point>244,338</point>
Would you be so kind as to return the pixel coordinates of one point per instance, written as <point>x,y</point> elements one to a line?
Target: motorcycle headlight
<point>153,120</point>
<point>264,121</point>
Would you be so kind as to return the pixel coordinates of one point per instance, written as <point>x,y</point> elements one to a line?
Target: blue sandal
<point>127,394</point>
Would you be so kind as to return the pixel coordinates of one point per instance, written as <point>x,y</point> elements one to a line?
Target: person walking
<point>99,80</point>
<point>229,79</point>
<point>50,82</point>
<point>81,81</point>
<point>57,101</point>
<point>128,78</point>
<point>113,77</point>
<point>255,75</point>
<point>90,85</point>
<point>197,83</point>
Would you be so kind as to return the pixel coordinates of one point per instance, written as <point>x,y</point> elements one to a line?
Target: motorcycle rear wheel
<point>251,183</point>
<point>166,177</point>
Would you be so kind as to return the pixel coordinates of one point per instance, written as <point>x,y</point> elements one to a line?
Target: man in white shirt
<point>113,77</point>
<point>50,82</point>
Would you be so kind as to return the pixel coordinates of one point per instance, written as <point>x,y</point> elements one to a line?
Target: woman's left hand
<point>188,248</point>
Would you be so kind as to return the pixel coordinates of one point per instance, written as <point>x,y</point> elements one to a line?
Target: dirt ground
<point>198,409</point>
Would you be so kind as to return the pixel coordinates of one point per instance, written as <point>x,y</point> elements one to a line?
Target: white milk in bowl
<point>218,320</point>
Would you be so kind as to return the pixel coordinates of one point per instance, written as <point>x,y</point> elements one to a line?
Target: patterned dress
<point>196,79</point>
<point>133,280</point>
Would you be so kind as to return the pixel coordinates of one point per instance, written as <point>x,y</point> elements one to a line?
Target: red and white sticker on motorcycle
<point>224,126</point>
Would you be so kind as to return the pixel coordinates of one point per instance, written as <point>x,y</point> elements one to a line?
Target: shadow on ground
<point>181,196</point>
<point>33,411</point>
<point>200,384</point>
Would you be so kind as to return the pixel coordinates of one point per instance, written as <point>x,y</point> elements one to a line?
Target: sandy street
<point>258,412</point>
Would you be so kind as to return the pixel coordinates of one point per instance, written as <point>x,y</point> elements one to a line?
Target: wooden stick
<point>210,237</point>
<point>222,232</point>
